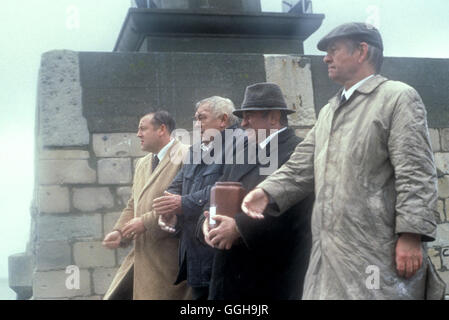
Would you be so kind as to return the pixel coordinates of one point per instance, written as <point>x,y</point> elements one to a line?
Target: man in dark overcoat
<point>260,258</point>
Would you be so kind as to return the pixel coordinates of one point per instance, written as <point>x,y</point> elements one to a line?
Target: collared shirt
<point>348,93</point>
<point>264,143</point>
<point>163,151</point>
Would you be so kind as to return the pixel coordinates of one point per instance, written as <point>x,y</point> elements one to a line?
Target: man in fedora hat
<point>370,162</point>
<point>260,259</point>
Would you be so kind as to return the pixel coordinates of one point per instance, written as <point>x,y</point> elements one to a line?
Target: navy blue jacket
<point>193,182</point>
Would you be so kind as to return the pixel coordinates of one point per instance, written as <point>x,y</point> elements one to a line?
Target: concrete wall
<point>88,109</point>
<point>118,88</point>
<point>428,76</point>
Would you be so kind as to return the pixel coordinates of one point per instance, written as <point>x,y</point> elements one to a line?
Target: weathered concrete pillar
<point>293,74</point>
<point>20,267</point>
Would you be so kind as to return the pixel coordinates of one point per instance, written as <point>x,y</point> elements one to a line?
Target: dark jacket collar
<point>243,169</point>
<point>281,138</point>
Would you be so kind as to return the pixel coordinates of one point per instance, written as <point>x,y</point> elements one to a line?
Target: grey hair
<point>220,106</point>
<point>375,56</point>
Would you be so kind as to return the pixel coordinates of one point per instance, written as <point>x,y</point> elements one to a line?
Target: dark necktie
<point>154,162</point>
<point>342,99</point>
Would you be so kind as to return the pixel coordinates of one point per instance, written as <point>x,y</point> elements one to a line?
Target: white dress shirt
<point>163,151</point>
<point>348,93</point>
<point>264,143</point>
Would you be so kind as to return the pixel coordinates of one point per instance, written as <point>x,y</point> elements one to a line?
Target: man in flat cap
<point>370,162</point>
<point>260,259</point>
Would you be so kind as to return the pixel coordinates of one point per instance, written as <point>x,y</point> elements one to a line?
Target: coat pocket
<point>211,175</point>
<point>435,286</point>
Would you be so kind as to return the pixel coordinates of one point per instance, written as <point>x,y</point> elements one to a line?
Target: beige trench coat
<point>371,165</point>
<point>155,253</point>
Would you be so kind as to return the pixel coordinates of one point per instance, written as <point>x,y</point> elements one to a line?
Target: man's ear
<point>162,129</point>
<point>275,117</point>
<point>363,52</point>
<point>224,120</point>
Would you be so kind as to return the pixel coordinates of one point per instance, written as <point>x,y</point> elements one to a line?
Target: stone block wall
<point>439,249</point>
<point>83,181</point>
<point>81,192</point>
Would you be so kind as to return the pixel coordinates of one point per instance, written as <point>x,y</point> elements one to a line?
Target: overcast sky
<point>414,28</point>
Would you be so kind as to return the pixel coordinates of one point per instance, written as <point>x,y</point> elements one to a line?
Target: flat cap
<point>353,30</point>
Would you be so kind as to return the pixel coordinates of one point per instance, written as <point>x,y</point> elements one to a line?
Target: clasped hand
<point>223,235</point>
<point>133,228</point>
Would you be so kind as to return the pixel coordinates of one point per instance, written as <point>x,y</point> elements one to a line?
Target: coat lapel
<point>366,88</point>
<point>152,176</point>
<point>240,170</point>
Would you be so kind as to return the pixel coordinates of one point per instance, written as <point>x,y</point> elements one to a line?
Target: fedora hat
<point>263,96</point>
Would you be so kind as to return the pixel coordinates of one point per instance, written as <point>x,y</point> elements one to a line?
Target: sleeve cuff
<point>147,220</point>
<point>191,207</point>
<point>417,225</point>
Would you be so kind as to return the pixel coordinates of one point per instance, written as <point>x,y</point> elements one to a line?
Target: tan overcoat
<point>155,253</point>
<point>371,166</point>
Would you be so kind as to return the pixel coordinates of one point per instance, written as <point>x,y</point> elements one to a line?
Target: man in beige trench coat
<point>370,162</point>
<point>150,269</point>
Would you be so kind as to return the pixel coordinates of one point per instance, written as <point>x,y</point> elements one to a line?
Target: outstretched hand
<point>168,223</point>
<point>255,203</point>
<point>168,204</point>
<point>112,240</point>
